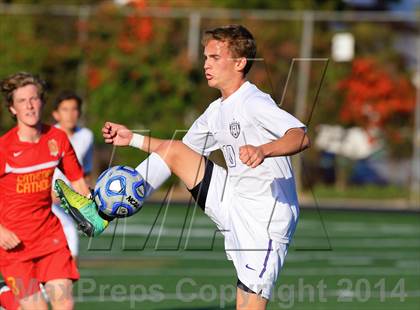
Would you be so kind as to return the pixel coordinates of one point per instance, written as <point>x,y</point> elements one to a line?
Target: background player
<point>7,299</point>
<point>67,112</point>
<point>254,203</point>
<point>33,248</point>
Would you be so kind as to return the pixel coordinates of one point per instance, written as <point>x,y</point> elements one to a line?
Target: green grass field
<point>339,260</point>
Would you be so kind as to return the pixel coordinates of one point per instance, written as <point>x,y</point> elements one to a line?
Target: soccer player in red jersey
<point>33,248</point>
<point>7,299</point>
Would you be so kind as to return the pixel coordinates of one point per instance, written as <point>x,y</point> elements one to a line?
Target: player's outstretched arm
<point>116,134</point>
<point>294,141</point>
<point>119,135</point>
<point>8,239</point>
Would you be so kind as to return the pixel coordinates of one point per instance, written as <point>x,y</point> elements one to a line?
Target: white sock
<point>155,172</point>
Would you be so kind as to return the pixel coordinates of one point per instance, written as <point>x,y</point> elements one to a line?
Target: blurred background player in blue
<point>67,113</point>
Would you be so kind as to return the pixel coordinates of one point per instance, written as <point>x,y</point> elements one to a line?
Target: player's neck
<point>29,133</point>
<point>231,88</point>
<point>69,131</point>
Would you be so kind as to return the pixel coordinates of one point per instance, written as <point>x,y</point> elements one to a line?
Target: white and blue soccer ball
<point>119,191</point>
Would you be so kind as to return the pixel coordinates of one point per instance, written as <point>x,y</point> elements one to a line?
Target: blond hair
<point>18,80</point>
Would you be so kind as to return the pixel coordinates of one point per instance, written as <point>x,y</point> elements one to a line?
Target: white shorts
<point>257,258</point>
<point>69,228</point>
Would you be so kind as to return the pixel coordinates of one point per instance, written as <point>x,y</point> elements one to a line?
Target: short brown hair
<point>240,42</point>
<point>68,95</point>
<point>18,80</point>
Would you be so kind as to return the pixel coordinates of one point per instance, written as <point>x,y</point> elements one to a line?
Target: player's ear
<point>12,110</point>
<point>241,63</point>
<point>56,115</point>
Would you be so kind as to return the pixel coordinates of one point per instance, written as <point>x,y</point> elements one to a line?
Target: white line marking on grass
<point>335,271</point>
<point>176,297</point>
<point>308,226</point>
<point>292,256</point>
<point>144,230</point>
<point>352,261</point>
<point>357,225</point>
<point>342,242</point>
<point>303,256</point>
<point>360,243</point>
<point>373,293</point>
<point>414,264</point>
<point>223,272</point>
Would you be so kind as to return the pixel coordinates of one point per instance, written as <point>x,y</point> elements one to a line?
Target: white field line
<point>224,272</point>
<point>302,225</point>
<point>414,264</point>
<point>292,256</point>
<point>357,225</point>
<point>352,261</point>
<point>178,297</point>
<point>309,243</point>
<point>175,221</point>
<point>360,243</point>
<point>144,230</point>
<point>312,256</point>
<point>310,223</point>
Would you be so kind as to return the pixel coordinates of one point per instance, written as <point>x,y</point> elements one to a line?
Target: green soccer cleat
<point>82,209</point>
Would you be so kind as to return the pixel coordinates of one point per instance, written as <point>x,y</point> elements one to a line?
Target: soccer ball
<point>119,191</point>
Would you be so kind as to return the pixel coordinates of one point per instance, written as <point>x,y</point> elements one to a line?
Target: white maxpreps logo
<point>16,154</point>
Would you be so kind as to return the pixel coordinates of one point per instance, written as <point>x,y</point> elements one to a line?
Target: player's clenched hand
<point>8,240</point>
<point>116,134</point>
<point>251,155</point>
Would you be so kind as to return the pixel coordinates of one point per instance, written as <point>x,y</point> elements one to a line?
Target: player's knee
<point>60,294</point>
<point>65,303</point>
<point>35,301</point>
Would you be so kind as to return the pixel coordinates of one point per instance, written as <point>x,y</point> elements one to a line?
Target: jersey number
<point>11,282</point>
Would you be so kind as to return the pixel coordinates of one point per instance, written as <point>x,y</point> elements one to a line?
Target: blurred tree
<point>379,100</point>
<point>44,46</point>
<point>135,69</point>
<point>283,5</point>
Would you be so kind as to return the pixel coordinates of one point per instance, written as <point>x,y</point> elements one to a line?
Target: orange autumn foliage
<point>373,96</point>
<point>139,29</point>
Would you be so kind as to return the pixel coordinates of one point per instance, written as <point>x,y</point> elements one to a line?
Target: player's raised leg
<point>168,156</point>
<point>185,163</point>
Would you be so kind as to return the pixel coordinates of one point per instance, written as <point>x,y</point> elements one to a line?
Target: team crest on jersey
<point>235,129</point>
<point>53,147</point>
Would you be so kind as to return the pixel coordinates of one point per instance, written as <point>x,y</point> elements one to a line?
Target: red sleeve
<point>69,163</point>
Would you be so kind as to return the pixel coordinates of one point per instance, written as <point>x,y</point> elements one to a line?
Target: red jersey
<point>26,171</point>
